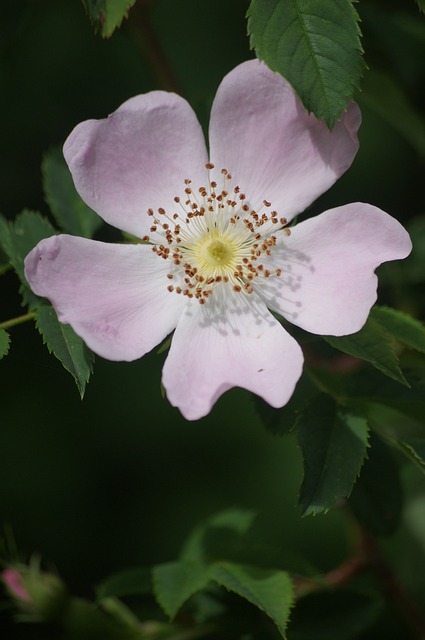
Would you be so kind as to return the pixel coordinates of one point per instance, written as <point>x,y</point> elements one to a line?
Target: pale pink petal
<point>328,284</point>
<point>114,296</point>
<point>137,158</point>
<point>229,343</point>
<point>273,148</point>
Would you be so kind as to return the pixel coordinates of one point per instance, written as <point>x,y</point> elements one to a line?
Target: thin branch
<point>368,556</point>
<point>147,40</point>
<point>7,324</point>
<point>338,577</point>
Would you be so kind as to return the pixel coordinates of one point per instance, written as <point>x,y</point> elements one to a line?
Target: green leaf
<point>315,45</point>
<point>18,237</point>
<point>175,582</point>
<point>376,499</point>
<point>4,260</point>
<point>69,210</point>
<point>131,582</point>
<point>333,442</point>
<point>107,15</point>
<point>269,590</point>
<point>237,521</point>
<point>4,343</point>
<point>63,342</point>
<point>401,326</point>
<point>369,388</point>
<point>373,344</point>
<point>415,450</point>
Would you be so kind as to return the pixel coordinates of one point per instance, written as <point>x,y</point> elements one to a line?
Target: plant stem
<point>146,39</point>
<point>368,556</point>
<point>338,577</point>
<point>8,324</point>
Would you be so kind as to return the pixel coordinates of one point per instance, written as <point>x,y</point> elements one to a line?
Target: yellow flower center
<point>217,252</point>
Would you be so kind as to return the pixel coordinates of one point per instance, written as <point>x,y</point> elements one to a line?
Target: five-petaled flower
<point>217,253</point>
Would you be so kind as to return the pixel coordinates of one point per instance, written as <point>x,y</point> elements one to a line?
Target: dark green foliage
<point>333,442</point>
<point>17,239</point>
<point>107,15</point>
<point>4,343</point>
<point>373,344</point>
<point>63,342</point>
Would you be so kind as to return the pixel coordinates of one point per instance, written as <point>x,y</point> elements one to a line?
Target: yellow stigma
<point>217,252</point>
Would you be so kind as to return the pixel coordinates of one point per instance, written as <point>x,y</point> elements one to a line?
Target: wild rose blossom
<point>217,253</point>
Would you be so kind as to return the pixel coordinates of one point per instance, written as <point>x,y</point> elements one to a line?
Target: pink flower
<point>217,252</point>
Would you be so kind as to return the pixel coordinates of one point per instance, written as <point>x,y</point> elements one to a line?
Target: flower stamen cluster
<point>215,239</point>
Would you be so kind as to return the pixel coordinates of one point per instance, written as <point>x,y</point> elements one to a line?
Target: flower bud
<point>41,594</point>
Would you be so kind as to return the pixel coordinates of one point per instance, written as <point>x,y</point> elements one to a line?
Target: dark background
<point>119,479</point>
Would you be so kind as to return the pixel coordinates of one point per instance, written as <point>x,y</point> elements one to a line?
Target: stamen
<point>216,239</point>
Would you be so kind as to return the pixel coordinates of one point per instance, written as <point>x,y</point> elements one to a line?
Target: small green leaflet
<point>268,589</point>
<point>368,387</point>
<point>401,326</point>
<point>107,15</point>
<point>373,344</point>
<point>175,582</point>
<point>18,237</point>
<point>334,443</point>
<point>63,342</point>
<point>414,448</point>
<point>70,212</point>
<point>315,45</point>
<point>4,343</point>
